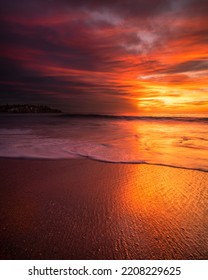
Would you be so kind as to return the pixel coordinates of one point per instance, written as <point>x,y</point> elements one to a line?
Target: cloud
<point>189,66</point>
<point>132,7</point>
<point>101,49</point>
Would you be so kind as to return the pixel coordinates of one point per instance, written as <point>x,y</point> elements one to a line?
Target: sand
<point>83,209</point>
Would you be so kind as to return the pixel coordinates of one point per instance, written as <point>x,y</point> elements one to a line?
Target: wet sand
<point>83,209</point>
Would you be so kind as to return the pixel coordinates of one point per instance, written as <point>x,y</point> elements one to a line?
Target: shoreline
<point>104,161</point>
<point>87,209</point>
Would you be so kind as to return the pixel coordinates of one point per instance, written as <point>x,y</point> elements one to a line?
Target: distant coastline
<point>27,108</point>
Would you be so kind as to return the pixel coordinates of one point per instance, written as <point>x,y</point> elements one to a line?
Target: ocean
<point>177,141</point>
<point>80,209</point>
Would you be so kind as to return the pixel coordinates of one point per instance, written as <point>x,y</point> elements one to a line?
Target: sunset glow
<point>122,57</point>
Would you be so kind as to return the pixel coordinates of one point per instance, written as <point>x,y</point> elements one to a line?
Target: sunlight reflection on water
<point>157,141</point>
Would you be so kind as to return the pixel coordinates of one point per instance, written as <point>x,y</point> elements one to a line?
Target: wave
<point>144,162</point>
<point>158,140</point>
<point>79,156</point>
<point>133,118</point>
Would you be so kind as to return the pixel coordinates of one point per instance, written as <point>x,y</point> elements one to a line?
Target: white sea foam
<point>168,141</point>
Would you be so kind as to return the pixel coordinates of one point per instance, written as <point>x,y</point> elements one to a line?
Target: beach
<point>86,209</point>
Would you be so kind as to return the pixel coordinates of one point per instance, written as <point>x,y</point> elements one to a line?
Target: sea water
<point>178,141</point>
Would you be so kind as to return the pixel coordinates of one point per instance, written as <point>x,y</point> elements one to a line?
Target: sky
<point>99,56</point>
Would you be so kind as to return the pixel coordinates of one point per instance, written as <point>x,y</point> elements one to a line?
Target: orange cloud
<point>146,58</point>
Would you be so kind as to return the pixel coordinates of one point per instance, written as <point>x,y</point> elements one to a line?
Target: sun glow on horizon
<point>111,58</point>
